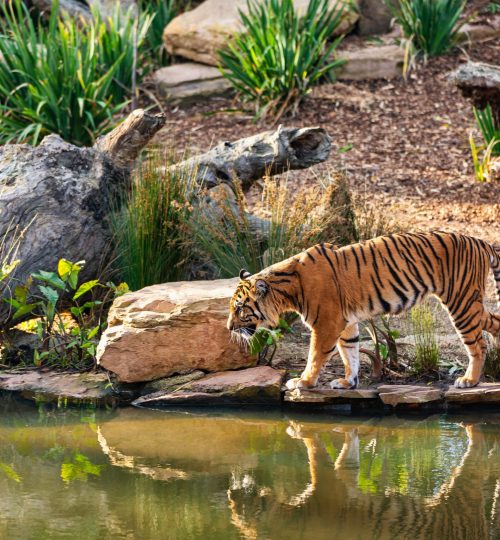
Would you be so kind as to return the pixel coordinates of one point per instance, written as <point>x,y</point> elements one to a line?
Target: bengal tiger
<point>333,289</point>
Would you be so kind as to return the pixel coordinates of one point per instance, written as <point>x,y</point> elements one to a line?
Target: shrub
<point>489,130</point>
<point>65,340</point>
<point>281,55</point>
<point>161,13</point>
<point>424,326</point>
<point>233,239</point>
<point>151,227</point>
<point>431,25</point>
<point>62,77</point>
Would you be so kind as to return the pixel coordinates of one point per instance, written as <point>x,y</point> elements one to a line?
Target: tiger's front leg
<point>320,350</point>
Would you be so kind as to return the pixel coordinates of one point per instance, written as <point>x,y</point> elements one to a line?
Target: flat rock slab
<point>327,395</point>
<point>257,386</point>
<point>200,33</point>
<point>399,394</point>
<point>371,63</point>
<point>190,81</point>
<point>89,388</point>
<point>169,329</point>
<point>484,393</point>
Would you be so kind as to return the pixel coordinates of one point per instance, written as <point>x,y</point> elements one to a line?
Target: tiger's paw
<point>465,382</point>
<point>292,384</point>
<point>344,384</point>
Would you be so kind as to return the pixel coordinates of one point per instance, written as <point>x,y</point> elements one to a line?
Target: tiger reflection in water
<point>465,506</point>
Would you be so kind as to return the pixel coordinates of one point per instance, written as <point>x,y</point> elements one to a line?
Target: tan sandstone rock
<point>373,62</point>
<point>258,386</point>
<point>400,394</point>
<point>171,328</point>
<point>198,34</point>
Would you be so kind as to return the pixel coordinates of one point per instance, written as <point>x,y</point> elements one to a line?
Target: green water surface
<point>138,474</point>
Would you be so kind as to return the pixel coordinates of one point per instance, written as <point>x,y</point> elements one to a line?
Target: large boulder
<point>198,34</point>
<point>171,328</point>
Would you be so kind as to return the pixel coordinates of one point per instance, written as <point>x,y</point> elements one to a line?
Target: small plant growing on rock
<point>281,55</point>
<point>432,26</point>
<point>69,338</point>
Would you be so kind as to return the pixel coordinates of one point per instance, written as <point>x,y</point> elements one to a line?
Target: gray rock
<point>187,82</point>
<point>374,62</point>
<point>374,17</point>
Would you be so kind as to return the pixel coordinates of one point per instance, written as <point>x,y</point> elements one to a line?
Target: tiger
<point>334,289</point>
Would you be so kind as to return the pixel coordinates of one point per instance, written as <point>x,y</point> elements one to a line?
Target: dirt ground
<point>409,156</point>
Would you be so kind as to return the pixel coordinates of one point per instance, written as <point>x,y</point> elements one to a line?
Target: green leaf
<point>50,278</point>
<point>85,287</point>
<point>50,294</point>
<point>26,309</point>
<point>93,332</point>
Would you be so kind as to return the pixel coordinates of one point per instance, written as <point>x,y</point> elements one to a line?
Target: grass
<point>280,55</point>
<point>63,77</point>
<point>150,229</point>
<point>161,12</point>
<point>423,324</point>
<point>432,26</point>
<point>231,239</point>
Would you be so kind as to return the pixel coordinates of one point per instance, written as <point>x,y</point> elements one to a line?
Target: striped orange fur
<point>334,289</point>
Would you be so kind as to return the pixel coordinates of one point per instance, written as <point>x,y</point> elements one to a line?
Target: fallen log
<point>268,153</point>
<point>59,195</point>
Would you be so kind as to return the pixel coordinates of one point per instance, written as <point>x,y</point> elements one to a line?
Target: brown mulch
<point>410,153</point>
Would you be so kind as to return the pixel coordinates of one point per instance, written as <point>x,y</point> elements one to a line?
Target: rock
<point>57,196</point>
<point>198,34</point>
<point>186,82</point>
<point>484,393</point>
<point>481,84</point>
<point>480,32</point>
<point>169,384</point>
<point>257,386</point>
<point>404,394</point>
<point>89,388</point>
<point>374,17</point>
<point>171,328</point>
<point>327,395</point>
<point>374,62</point>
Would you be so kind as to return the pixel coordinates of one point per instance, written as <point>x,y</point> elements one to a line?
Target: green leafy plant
<point>385,353</point>
<point>267,339</point>
<point>71,340</point>
<point>432,26</point>
<point>489,130</point>
<point>280,55</point>
<point>64,77</point>
<point>493,7</point>
<point>150,229</point>
<point>482,159</point>
<point>423,324</point>
<point>161,13</point>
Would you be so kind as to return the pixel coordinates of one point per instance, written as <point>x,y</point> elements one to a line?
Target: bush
<point>280,55</point>
<point>161,12</point>
<point>151,228</point>
<point>489,130</point>
<point>233,239</point>
<point>62,77</point>
<point>431,25</point>
<point>69,339</point>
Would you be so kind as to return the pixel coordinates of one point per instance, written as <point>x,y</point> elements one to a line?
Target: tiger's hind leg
<point>470,326</point>
<point>348,346</point>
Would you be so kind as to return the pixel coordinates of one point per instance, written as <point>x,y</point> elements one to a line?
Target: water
<point>137,474</point>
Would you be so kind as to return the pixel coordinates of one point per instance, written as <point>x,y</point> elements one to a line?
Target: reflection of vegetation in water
<point>79,467</point>
<point>9,472</point>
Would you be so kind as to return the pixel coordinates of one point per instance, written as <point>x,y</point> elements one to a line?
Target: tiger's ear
<point>261,288</point>
<point>244,274</point>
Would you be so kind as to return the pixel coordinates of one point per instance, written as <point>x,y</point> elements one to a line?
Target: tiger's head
<point>251,306</point>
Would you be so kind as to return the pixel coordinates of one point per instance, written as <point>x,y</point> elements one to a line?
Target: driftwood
<point>481,84</point>
<point>59,196</point>
<point>268,153</point>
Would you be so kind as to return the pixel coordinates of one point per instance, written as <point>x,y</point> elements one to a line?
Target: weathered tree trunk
<point>480,83</point>
<point>268,153</point>
<point>59,195</point>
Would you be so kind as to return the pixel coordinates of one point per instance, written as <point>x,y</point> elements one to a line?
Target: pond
<point>138,474</point>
